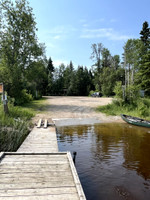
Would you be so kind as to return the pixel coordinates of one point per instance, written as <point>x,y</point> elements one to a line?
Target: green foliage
<point>106,58</point>
<point>140,108</point>
<point>20,52</point>
<point>145,35</point>
<point>13,127</point>
<point>24,97</point>
<point>91,92</point>
<point>132,94</point>
<point>12,137</point>
<point>143,74</point>
<point>35,106</point>
<point>68,81</point>
<point>129,94</point>
<point>15,113</point>
<point>96,54</point>
<point>107,81</point>
<point>118,90</point>
<point>20,113</point>
<point>108,78</point>
<point>131,52</point>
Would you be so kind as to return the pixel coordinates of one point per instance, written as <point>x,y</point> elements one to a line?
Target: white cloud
<point>58,32</point>
<point>56,37</point>
<point>108,33</point>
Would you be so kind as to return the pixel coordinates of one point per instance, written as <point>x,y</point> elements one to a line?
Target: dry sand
<point>75,110</point>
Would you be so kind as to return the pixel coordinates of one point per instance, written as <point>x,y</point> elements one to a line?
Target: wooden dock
<point>37,171</point>
<point>40,140</point>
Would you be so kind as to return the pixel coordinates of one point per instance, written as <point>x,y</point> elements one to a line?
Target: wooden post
<point>4,99</point>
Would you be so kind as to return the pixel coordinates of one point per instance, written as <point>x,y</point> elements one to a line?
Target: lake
<point>113,159</point>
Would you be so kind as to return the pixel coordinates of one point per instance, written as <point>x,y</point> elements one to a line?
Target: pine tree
<point>50,70</point>
<point>144,73</point>
<point>50,66</point>
<point>144,67</point>
<point>145,35</point>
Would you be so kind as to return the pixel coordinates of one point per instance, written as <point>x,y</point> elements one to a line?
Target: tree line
<point>28,74</point>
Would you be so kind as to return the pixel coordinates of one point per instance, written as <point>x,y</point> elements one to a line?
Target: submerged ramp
<point>37,171</point>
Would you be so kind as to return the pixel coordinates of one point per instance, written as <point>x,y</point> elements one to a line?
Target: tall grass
<point>11,137</point>
<point>14,127</point>
<point>140,108</point>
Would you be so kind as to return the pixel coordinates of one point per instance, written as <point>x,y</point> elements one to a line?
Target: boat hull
<point>135,121</point>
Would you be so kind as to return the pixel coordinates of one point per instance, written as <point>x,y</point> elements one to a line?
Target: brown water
<point>113,160</point>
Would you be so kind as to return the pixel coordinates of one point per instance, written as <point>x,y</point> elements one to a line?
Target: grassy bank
<point>15,126</point>
<point>140,108</point>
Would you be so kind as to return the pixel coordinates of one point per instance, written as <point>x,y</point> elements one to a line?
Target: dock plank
<point>40,140</point>
<point>37,171</point>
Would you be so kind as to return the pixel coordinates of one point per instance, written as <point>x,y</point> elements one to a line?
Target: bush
<point>129,95</point>
<point>24,98</point>
<point>140,108</point>
<point>118,90</point>
<point>91,92</point>
<point>143,106</point>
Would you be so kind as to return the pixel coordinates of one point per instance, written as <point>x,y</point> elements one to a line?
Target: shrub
<point>118,90</point>
<point>24,98</point>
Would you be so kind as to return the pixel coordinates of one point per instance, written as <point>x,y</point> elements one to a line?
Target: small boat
<point>136,121</point>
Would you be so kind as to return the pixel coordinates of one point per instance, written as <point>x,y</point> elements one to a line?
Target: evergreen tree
<point>50,66</point>
<point>145,35</point>
<point>144,73</point>
<point>144,63</point>
<point>50,71</point>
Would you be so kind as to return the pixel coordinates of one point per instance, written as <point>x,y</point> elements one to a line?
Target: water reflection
<point>112,159</point>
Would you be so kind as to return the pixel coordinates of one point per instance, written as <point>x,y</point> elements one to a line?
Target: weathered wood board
<point>40,140</point>
<point>34,176</point>
<point>37,171</point>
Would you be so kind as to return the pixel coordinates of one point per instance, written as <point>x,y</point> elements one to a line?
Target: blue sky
<point>69,27</point>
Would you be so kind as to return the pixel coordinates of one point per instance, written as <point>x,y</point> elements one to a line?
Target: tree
<point>115,63</point>
<point>50,66</point>
<point>50,71</point>
<point>144,73</point>
<point>96,54</point>
<point>36,77</point>
<point>69,79</point>
<point>145,35</point>
<point>19,47</point>
<point>131,59</point>
<point>82,81</point>
<point>106,58</point>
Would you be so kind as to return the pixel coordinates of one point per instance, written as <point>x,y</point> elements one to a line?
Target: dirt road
<point>76,110</point>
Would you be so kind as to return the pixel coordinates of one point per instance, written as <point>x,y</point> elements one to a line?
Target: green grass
<point>15,126</point>
<point>141,108</point>
<point>35,106</point>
